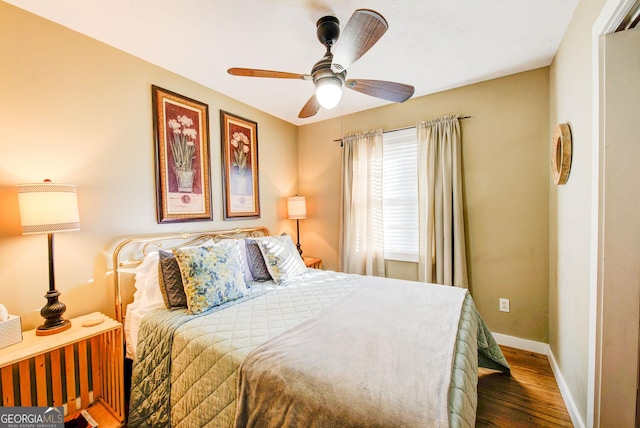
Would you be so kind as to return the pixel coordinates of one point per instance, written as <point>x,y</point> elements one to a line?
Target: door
<point>621,229</point>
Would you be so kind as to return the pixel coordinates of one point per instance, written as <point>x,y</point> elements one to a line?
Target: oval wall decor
<point>561,153</point>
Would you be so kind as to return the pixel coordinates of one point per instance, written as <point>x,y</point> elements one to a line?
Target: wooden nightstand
<point>312,262</point>
<point>85,363</point>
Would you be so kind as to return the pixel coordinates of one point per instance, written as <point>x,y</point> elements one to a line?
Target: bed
<point>304,348</point>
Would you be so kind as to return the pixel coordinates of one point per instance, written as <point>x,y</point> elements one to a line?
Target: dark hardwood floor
<point>528,398</point>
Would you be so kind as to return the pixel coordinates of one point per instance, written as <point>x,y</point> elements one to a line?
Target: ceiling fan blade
<point>310,108</point>
<point>390,91</point>
<point>364,29</point>
<point>252,72</point>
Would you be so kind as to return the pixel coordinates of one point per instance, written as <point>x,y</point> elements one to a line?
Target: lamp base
<point>47,331</point>
<point>52,313</point>
<point>298,236</point>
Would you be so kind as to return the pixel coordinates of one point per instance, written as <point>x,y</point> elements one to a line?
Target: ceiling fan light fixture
<point>329,92</point>
<point>329,74</point>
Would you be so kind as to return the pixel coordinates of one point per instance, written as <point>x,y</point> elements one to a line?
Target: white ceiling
<point>433,45</point>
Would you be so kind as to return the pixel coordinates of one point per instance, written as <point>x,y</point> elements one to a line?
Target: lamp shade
<point>297,207</point>
<point>48,207</point>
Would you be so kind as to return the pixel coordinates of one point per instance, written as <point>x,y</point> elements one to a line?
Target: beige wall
<point>570,205</point>
<point>78,111</point>
<point>506,184</point>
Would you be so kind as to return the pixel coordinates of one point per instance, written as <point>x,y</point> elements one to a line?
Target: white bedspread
<point>381,356</point>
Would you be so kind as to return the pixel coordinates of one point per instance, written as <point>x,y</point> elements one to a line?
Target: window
<point>400,195</point>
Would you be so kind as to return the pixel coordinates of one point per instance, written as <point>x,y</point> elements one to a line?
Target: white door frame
<point>611,15</point>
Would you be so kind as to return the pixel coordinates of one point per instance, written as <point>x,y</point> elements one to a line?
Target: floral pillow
<point>170,278</point>
<point>238,246</point>
<point>281,257</point>
<point>211,276</point>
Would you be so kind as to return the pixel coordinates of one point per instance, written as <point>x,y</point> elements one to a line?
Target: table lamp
<point>297,210</point>
<point>47,208</point>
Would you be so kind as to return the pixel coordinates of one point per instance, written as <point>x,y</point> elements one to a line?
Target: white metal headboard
<point>130,252</point>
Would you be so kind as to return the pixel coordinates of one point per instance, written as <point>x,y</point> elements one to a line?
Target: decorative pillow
<point>211,276</point>
<point>238,246</point>
<point>281,257</point>
<point>170,281</point>
<point>255,260</point>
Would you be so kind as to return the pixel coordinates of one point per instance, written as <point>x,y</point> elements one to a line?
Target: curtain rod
<point>403,128</point>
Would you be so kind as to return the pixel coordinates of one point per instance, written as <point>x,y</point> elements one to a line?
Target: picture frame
<point>183,176</point>
<point>239,138</point>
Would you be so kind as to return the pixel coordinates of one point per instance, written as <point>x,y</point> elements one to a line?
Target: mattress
<point>186,373</point>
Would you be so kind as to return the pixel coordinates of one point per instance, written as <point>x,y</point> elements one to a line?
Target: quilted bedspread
<point>186,371</point>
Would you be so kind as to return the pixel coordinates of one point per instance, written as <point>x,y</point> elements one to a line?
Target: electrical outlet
<point>504,305</point>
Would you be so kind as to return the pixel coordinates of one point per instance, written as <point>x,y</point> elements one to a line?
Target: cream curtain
<point>362,237</point>
<point>442,256</point>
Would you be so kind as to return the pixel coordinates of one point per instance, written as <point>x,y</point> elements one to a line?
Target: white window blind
<point>400,195</point>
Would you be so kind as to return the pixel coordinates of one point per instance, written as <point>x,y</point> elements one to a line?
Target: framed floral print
<point>240,166</point>
<point>183,178</point>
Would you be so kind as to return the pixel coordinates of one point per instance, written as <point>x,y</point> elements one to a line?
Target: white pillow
<point>147,289</point>
<point>147,296</point>
<point>245,261</point>
<point>281,257</point>
<point>144,299</point>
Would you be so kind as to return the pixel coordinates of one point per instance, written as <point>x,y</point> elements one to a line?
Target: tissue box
<point>10,331</point>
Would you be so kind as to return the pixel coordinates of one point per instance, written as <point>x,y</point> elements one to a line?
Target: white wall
<point>570,205</point>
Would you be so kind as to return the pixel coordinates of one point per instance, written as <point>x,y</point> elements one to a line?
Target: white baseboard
<point>566,394</point>
<point>524,344</point>
<point>545,349</point>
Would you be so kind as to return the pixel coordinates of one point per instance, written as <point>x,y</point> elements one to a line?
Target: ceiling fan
<point>364,29</point>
